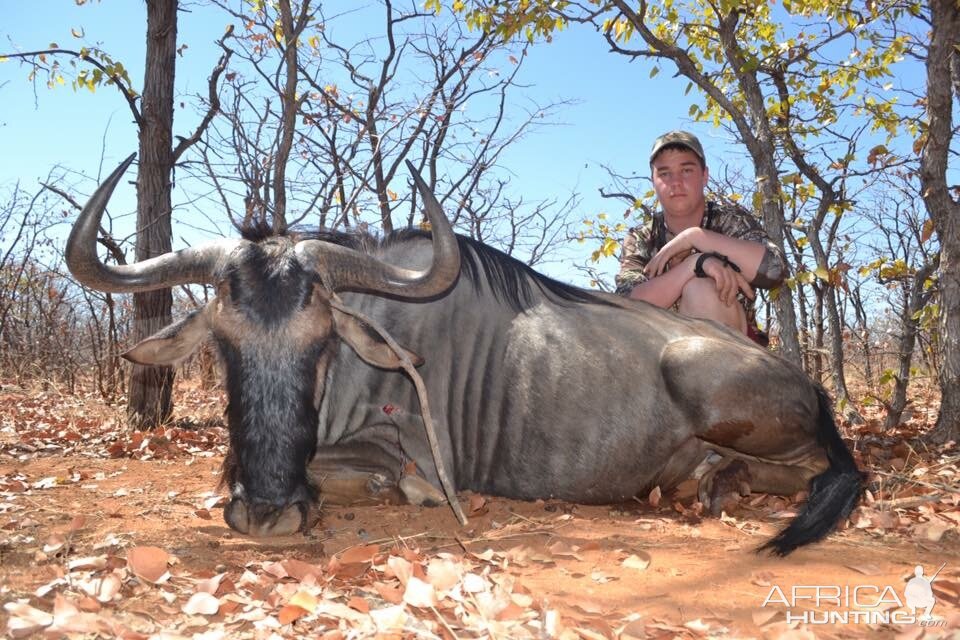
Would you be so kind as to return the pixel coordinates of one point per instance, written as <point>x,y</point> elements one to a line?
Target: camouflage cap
<point>682,138</point>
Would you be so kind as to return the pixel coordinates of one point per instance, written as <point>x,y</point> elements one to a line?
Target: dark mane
<point>511,281</point>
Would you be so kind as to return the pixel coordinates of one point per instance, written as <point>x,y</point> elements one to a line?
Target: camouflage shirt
<point>642,243</point>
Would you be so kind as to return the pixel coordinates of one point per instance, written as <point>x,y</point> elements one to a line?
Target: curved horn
<point>349,269</point>
<point>192,265</point>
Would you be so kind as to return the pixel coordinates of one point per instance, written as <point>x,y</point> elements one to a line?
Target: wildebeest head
<point>275,330</point>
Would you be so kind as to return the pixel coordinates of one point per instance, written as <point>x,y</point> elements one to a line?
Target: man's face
<point>679,181</point>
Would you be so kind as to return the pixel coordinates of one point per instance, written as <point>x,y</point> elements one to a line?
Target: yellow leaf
<point>822,273</point>
<point>305,601</point>
<point>927,232</point>
<point>609,247</point>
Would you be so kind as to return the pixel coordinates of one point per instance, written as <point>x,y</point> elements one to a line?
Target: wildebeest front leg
<point>363,473</point>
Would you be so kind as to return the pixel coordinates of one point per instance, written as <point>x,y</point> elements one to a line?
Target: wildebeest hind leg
<point>732,477</point>
<point>749,407</point>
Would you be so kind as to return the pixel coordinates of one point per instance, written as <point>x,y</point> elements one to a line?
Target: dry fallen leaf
<point>305,601</point>
<point>25,620</point>
<point>87,564</point>
<point>201,603</point>
<point>443,574</point>
<point>473,583</point>
<point>400,568</point>
<point>419,593</point>
<point>289,613</point>
<point>210,585</point>
<point>477,504</point>
<point>68,619</point>
<point>300,570</point>
<point>358,603</point>
<point>931,531</point>
<point>54,543</point>
<point>391,594</point>
<point>105,588</point>
<point>148,563</point>
<point>563,549</point>
<point>389,619</point>
<point>639,561</point>
<point>360,554</point>
<point>654,498</point>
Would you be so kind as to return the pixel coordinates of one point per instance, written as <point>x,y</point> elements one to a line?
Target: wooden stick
<point>407,366</point>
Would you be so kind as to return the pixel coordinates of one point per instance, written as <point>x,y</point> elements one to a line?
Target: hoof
<point>722,486</point>
<point>420,492</point>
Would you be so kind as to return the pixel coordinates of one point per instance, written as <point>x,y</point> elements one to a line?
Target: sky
<point>618,109</point>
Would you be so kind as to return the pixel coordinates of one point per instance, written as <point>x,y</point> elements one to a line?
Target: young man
<point>700,257</point>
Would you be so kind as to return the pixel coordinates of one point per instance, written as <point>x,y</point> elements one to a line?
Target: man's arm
<point>665,289</point>
<point>760,261</point>
<point>746,254</point>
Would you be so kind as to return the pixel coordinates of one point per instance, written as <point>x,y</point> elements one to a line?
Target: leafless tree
<point>338,118</point>
<point>149,398</point>
<point>906,259</point>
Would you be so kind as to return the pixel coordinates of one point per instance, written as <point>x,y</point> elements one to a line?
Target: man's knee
<point>700,299</point>
<point>700,295</point>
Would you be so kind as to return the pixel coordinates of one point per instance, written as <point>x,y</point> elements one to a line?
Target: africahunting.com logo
<point>860,604</point>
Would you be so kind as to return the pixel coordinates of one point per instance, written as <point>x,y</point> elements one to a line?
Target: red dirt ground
<point>76,523</point>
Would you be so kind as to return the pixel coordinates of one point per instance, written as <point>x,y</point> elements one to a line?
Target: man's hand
<point>681,245</point>
<point>728,280</point>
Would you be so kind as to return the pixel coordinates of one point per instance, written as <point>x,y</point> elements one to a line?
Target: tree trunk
<point>786,313</point>
<point>805,331</point>
<point>149,402</point>
<point>914,299</point>
<point>816,367</point>
<point>942,63</point>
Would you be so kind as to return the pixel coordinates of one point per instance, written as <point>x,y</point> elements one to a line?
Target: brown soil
<point>582,569</point>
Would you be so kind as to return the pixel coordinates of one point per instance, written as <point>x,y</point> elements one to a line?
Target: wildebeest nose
<point>261,519</point>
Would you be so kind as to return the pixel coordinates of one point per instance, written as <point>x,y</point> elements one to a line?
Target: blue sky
<point>619,109</point>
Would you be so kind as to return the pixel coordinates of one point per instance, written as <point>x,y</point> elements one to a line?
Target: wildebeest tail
<point>833,494</point>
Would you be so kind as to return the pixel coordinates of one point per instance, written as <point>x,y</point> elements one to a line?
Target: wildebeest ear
<point>371,348</point>
<point>171,344</point>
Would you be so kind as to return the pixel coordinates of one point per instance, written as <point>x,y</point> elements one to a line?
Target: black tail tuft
<point>833,494</point>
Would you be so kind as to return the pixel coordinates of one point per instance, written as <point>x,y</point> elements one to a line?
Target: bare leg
<point>700,300</point>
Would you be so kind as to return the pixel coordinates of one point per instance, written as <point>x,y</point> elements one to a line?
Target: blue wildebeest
<point>540,389</point>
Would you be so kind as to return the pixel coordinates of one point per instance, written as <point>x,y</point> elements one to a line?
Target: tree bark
<point>149,402</point>
<point>943,64</point>
<point>916,298</point>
